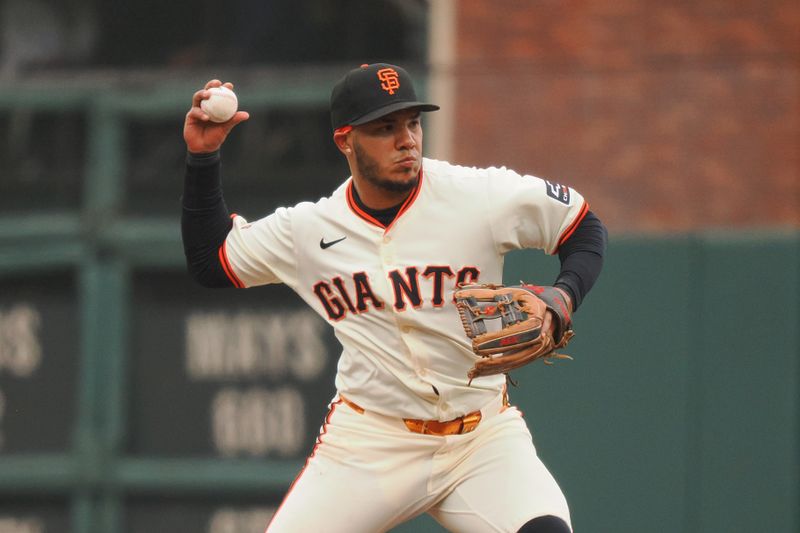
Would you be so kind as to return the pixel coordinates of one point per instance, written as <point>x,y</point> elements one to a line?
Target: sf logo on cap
<point>389,80</point>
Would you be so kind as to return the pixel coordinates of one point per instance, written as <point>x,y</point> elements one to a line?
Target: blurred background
<point>132,401</point>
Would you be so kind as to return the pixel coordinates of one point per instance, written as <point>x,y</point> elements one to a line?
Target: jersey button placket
<point>444,408</point>
<point>387,254</point>
<point>389,263</point>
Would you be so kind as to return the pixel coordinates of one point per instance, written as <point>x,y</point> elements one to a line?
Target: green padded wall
<point>681,409</point>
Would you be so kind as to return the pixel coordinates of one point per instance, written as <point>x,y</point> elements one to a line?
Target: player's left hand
<point>200,133</point>
<point>531,322</point>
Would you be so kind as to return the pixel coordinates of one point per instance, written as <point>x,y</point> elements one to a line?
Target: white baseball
<point>221,105</point>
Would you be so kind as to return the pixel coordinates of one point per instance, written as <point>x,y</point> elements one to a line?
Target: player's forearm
<point>582,258</point>
<point>205,222</point>
<point>202,184</point>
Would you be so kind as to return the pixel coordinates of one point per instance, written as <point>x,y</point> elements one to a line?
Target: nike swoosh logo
<point>323,244</point>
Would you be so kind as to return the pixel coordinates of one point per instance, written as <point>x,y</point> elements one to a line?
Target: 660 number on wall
<point>257,421</point>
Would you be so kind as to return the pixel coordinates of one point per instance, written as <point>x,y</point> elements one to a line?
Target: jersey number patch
<point>557,191</point>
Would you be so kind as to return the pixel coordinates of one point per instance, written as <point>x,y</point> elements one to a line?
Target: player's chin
<point>409,177</point>
<point>401,183</point>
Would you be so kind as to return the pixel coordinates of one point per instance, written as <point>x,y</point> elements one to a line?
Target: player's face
<point>388,151</point>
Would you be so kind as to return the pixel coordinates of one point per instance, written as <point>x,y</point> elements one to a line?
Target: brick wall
<point>667,115</point>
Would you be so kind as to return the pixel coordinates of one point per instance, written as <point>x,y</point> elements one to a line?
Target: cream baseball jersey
<point>388,291</point>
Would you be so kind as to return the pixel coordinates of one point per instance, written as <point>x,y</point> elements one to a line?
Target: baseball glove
<point>505,325</point>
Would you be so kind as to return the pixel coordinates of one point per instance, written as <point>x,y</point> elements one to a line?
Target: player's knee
<point>545,524</point>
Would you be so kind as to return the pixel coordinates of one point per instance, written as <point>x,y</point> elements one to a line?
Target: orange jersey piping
<point>571,228</point>
<point>226,266</point>
<point>351,202</point>
<point>322,433</point>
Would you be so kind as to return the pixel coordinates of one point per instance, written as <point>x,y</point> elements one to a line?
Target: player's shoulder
<point>326,204</point>
<point>445,168</point>
<point>443,171</point>
<point>336,198</point>
<point>299,217</point>
<point>440,168</point>
<point>446,172</point>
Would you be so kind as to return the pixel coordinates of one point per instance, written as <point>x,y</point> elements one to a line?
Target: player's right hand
<point>201,134</point>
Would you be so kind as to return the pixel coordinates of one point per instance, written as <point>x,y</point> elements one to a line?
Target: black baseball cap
<point>370,92</point>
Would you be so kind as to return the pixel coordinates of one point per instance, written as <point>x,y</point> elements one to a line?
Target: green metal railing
<point>102,246</point>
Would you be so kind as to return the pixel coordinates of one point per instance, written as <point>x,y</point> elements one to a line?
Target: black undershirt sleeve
<point>582,258</point>
<point>205,222</point>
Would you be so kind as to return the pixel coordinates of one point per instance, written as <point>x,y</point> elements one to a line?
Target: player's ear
<point>342,139</point>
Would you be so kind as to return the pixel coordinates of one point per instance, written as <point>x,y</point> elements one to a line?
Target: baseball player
<point>380,259</point>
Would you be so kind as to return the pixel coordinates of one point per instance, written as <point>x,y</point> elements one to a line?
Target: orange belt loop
<point>354,406</point>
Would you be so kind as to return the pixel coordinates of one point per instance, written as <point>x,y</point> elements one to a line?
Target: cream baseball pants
<point>368,473</point>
